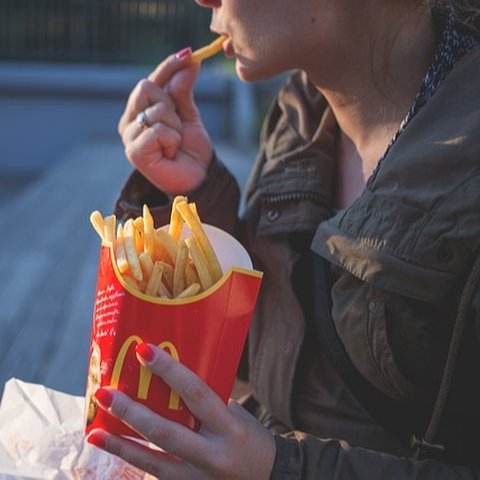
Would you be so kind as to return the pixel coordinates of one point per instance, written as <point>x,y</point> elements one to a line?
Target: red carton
<point>206,333</point>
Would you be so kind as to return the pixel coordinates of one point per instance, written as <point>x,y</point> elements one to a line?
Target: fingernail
<point>104,397</point>
<point>183,53</point>
<point>145,351</point>
<point>97,440</point>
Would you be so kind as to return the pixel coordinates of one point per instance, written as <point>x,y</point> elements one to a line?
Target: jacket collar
<point>417,224</point>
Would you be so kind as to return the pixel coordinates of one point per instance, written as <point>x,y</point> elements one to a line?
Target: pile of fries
<point>158,262</point>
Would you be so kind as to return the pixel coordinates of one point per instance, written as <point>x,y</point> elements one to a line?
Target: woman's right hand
<point>174,151</point>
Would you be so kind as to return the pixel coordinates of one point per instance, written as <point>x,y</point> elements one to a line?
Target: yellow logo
<point>145,375</point>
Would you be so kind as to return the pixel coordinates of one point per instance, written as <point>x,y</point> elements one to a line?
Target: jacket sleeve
<point>304,457</point>
<point>217,199</point>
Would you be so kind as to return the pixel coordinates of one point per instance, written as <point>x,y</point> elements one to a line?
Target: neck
<point>371,89</point>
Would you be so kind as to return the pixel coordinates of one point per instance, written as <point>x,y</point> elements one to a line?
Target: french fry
<point>200,262</point>
<point>179,283</point>
<point>168,275</point>
<point>129,238</point>
<point>142,285</point>
<point>154,280</point>
<point>139,234</point>
<point>131,281</point>
<point>160,252</point>
<point>193,208</point>
<point>209,50</point>
<point>149,230</point>
<point>176,221</point>
<point>147,265</point>
<point>199,233</point>
<point>98,222</point>
<point>120,252</point>
<point>190,291</point>
<point>191,275</point>
<point>162,237</point>
<point>110,227</point>
<point>163,290</point>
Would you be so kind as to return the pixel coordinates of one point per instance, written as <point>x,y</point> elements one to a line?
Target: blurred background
<point>66,69</point>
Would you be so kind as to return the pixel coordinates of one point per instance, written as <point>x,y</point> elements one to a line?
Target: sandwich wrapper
<point>206,333</point>
<point>41,437</point>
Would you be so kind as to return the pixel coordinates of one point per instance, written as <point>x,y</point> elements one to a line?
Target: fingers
<point>199,398</point>
<point>152,142</point>
<point>156,463</point>
<point>177,75</point>
<point>145,94</point>
<point>158,113</point>
<point>166,97</point>
<point>166,126</point>
<point>163,113</point>
<point>164,72</point>
<point>168,435</point>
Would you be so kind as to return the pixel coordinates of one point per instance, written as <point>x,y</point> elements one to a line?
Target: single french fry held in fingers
<point>208,50</point>
<point>204,243</point>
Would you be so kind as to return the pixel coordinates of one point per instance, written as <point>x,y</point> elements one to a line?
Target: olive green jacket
<point>398,258</point>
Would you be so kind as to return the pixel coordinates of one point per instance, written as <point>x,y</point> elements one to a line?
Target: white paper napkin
<point>41,437</point>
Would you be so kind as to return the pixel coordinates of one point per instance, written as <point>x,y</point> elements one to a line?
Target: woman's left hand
<point>231,443</point>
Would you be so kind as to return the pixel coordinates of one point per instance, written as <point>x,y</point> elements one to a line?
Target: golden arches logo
<point>145,374</point>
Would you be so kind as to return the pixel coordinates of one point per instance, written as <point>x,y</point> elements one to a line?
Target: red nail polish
<point>183,53</point>
<point>145,351</point>
<point>104,397</point>
<point>97,440</point>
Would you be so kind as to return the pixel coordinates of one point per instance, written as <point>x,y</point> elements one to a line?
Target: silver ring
<point>142,120</point>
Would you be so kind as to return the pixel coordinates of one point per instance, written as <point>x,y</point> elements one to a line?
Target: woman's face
<point>266,37</point>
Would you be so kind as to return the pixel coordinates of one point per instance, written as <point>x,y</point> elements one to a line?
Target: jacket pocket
<point>391,380</point>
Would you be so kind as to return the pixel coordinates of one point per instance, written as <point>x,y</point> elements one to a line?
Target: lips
<point>228,48</point>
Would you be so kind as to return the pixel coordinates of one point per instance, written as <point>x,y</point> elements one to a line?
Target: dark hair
<point>466,12</point>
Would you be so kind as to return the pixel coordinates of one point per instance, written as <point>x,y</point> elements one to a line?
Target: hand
<point>174,152</point>
<point>231,444</point>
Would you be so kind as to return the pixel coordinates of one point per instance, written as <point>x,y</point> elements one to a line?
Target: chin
<point>251,73</point>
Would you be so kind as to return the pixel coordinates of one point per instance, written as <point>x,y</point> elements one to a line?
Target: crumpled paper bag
<point>41,437</point>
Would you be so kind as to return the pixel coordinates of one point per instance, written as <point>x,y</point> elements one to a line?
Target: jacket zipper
<point>294,197</point>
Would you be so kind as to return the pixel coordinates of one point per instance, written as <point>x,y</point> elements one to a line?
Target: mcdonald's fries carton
<point>205,332</point>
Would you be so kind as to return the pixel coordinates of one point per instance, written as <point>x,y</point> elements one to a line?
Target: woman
<point>362,210</point>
